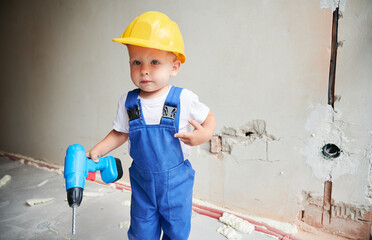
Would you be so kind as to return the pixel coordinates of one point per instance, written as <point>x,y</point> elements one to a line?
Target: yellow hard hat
<point>154,30</point>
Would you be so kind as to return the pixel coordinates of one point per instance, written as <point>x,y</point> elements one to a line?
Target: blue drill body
<point>77,168</point>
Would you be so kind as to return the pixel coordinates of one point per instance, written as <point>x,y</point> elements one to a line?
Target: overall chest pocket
<point>154,147</point>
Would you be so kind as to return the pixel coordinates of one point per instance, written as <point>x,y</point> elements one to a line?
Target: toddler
<point>162,122</point>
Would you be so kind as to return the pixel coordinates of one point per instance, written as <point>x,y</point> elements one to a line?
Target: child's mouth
<point>145,81</point>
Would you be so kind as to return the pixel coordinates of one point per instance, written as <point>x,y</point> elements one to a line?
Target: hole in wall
<point>331,151</point>
<point>249,133</point>
<point>303,215</point>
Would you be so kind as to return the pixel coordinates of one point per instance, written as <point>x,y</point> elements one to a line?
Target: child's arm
<point>201,133</point>
<point>113,140</point>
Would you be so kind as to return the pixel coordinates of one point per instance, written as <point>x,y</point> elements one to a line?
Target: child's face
<point>151,69</point>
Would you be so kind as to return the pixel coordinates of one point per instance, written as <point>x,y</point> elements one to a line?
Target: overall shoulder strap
<point>132,99</point>
<point>172,108</point>
<point>133,105</point>
<point>173,98</point>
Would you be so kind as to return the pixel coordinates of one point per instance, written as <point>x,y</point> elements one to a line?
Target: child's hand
<point>201,133</point>
<point>193,138</point>
<point>94,155</point>
<point>113,140</point>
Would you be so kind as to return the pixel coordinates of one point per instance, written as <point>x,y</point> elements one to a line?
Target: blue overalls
<point>161,180</point>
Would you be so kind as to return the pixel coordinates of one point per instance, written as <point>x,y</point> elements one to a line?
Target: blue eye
<point>155,62</point>
<point>135,62</point>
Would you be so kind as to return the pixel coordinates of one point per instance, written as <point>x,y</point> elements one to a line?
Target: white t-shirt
<point>152,109</point>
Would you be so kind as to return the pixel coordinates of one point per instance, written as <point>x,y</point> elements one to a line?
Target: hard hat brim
<point>148,44</point>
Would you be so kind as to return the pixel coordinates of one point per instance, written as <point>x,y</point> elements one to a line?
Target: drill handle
<point>96,166</point>
<point>110,168</point>
<point>93,166</point>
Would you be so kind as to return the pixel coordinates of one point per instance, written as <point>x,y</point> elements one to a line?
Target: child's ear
<point>176,67</point>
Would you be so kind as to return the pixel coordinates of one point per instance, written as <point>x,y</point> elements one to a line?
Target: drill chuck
<point>74,196</point>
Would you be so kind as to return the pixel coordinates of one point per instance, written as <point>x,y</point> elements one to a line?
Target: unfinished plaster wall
<point>261,66</point>
<point>354,88</point>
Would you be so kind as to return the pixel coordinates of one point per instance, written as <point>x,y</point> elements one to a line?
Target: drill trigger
<point>91,176</point>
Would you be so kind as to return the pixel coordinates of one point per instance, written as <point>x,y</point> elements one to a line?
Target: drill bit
<point>73,219</point>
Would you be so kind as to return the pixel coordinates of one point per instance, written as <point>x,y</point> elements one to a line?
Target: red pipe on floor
<point>206,212</point>
<point>119,186</point>
<point>214,213</point>
<point>260,227</point>
<point>199,209</point>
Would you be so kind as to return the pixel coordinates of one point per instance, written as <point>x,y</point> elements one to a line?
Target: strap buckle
<point>134,113</point>
<point>169,112</point>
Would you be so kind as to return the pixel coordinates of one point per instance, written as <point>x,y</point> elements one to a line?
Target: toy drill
<point>77,168</point>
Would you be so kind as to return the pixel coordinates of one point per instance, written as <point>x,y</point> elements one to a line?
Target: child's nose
<point>144,70</point>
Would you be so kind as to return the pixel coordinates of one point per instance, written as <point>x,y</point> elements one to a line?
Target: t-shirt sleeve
<point>121,122</point>
<point>196,111</point>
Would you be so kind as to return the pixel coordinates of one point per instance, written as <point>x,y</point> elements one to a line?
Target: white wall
<point>61,77</point>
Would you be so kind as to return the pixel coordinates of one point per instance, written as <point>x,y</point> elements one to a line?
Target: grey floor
<point>98,217</point>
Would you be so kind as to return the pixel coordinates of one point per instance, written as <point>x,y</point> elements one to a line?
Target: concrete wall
<point>61,77</point>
